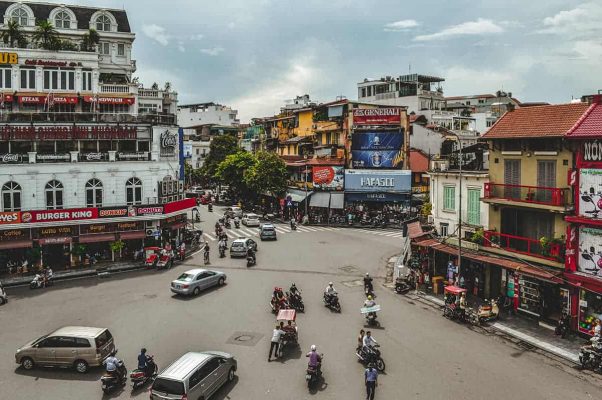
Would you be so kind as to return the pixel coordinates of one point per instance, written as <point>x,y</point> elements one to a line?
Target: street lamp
<point>305,166</point>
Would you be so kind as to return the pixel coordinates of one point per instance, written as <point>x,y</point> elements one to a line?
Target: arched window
<point>54,195</point>
<point>103,23</point>
<point>11,196</point>
<point>62,20</point>
<point>133,191</point>
<point>94,193</point>
<point>20,16</point>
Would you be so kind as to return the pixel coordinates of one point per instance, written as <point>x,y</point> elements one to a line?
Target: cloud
<point>565,17</point>
<point>584,18</point>
<point>402,25</point>
<point>479,27</point>
<point>181,47</point>
<point>213,51</point>
<point>197,36</point>
<point>157,33</point>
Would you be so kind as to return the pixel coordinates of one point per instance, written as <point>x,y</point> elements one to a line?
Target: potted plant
<point>116,247</point>
<point>478,237</point>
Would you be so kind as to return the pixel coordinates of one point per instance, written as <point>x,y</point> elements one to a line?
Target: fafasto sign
<point>394,181</point>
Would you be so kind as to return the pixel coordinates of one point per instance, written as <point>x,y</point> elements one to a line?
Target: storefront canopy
<point>320,199</point>
<point>297,195</point>
<point>104,237</point>
<point>377,197</point>
<point>337,200</point>
<point>17,244</point>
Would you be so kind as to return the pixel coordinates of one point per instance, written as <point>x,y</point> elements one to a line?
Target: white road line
<point>308,229</point>
<point>250,232</point>
<point>281,230</point>
<point>208,236</point>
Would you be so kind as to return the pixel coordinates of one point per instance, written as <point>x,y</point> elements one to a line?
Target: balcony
<point>555,199</point>
<point>118,89</point>
<point>551,250</point>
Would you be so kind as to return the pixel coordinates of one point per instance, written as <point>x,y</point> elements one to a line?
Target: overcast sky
<point>255,54</point>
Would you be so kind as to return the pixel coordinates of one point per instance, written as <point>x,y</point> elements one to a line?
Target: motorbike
<point>111,382</point>
<point>591,355</point>
<point>370,314</point>
<point>293,225</point>
<point>279,305</point>
<point>371,355</point>
<point>562,329</point>
<point>296,302</point>
<point>369,291</point>
<point>140,377</point>
<point>332,301</point>
<point>38,282</point>
<point>488,311</point>
<point>3,295</point>
<point>236,223</point>
<point>404,284</point>
<point>210,207</point>
<point>251,261</point>
<point>313,374</point>
<point>222,251</point>
<point>227,224</point>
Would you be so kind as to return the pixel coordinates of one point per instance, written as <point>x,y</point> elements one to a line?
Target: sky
<point>255,54</point>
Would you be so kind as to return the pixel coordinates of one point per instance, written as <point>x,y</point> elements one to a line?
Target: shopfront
<point>55,244</point>
<point>375,188</point>
<point>15,246</point>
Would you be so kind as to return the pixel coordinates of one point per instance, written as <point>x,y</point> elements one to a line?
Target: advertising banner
<point>10,217</point>
<point>116,212</point>
<point>15,234</point>
<point>377,116</point>
<point>58,231</point>
<point>328,177</point>
<point>376,159</point>
<point>377,141</point>
<point>590,251</point>
<point>394,181</point>
<point>72,214</point>
<point>590,193</point>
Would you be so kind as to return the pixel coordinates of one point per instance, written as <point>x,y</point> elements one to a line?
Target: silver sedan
<point>193,281</point>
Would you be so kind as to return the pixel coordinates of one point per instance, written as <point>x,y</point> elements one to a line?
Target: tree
<point>90,40</point>
<point>267,175</point>
<point>46,35</point>
<point>67,45</point>
<point>220,148</point>
<point>12,34</point>
<point>233,171</point>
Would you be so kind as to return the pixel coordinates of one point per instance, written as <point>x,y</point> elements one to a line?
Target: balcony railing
<point>120,89</point>
<point>528,194</point>
<point>518,244</point>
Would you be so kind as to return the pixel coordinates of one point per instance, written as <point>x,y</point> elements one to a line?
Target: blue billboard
<point>377,141</point>
<point>376,159</point>
<point>374,181</point>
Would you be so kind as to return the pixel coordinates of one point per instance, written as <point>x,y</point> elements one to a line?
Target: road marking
<point>208,236</point>
<point>281,229</point>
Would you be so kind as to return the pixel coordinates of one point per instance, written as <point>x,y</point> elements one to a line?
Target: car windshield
<point>185,277</point>
<point>168,386</point>
<point>103,338</point>
<point>268,229</point>
<point>238,244</point>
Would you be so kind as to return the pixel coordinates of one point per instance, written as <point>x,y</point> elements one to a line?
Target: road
<point>427,356</point>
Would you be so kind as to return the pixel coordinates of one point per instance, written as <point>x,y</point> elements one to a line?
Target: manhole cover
<point>349,269</point>
<point>354,283</point>
<point>245,338</point>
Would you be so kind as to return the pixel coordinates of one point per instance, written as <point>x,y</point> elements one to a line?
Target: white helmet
<point>313,347</point>
<point>367,274</point>
<point>329,283</point>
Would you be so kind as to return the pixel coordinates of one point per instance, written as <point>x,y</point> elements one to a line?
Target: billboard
<point>377,116</point>
<point>376,159</point>
<point>590,251</point>
<point>590,193</point>
<point>328,177</point>
<point>394,181</point>
<point>377,141</point>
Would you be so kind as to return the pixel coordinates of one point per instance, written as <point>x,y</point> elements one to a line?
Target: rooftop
<point>590,123</point>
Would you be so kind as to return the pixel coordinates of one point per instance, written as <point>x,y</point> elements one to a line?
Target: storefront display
<point>529,296</point>
<point>590,309</point>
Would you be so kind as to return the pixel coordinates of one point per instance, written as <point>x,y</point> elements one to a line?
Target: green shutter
<point>449,198</point>
<point>474,207</point>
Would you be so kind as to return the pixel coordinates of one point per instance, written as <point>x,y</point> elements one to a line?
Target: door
<point>474,207</point>
<point>46,351</point>
<point>204,376</point>
<point>203,281</point>
<point>512,177</point>
<point>546,178</point>
<point>213,377</point>
<point>66,351</point>
<point>211,278</point>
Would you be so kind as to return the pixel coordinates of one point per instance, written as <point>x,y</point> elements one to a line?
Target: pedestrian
<point>276,334</point>
<point>371,379</point>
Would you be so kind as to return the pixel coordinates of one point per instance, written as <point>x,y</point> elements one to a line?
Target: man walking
<point>371,378</point>
<point>276,334</point>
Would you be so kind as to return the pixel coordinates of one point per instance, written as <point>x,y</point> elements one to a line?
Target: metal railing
<point>523,245</point>
<point>528,194</point>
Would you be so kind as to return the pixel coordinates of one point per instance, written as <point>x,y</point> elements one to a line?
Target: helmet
<point>313,347</point>
<point>293,285</point>
<point>329,283</point>
<point>369,297</point>
<point>143,350</point>
<point>276,288</point>
<point>367,274</point>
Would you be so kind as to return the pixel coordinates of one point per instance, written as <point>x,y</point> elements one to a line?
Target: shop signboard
<point>111,227</point>
<point>376,159</point>
<point>179,205</point>
<point>10,217</point>
<point>590,251</point>
<point>378,181</point>
<point>69,132</point>
<point>168,140</point>
<point>52,157</point>
<point>54,231</point>
<point>15,234</point>
<point>590,193</point>
<point>116,212</point>
<point>377,141</point>
<point>150,210</point>
<point>10,158</point>
<point>176,219</point>
<point>328,177</point>
<point>109,100</point>
<point>377,116</point>
<point>72,214</point>
<point>128,226</point>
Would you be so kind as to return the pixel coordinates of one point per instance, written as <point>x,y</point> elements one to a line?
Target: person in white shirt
<point>369,342</point>
<point>276,334</point>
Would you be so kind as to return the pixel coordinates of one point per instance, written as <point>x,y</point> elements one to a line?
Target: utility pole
<point>459,207</point>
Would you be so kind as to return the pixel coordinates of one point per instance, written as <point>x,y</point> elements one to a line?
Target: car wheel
<point>196,291</point>
<point>220,282</point>
<point>27,363</point>
<point>231,374</point>
<point>81,366</point>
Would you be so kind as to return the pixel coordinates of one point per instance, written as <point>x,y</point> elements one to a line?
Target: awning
<point>320,199</point>
<point>54,240</point>
<point>105,237</point>
<point>297,195</point>
<point>517,266</point>
<point>44,99</point>
<point>132,235</point>
<point>337,200</point>
<point>109,100</point>
<point>415,230</point>
<point>17,244</point>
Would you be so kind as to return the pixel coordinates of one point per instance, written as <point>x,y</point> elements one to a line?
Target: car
<point>234,211</point>
<point>197,189</point>
<point>267,231</point>
<point>250,219</point>
<point>193,281</point>
<point>240,246</point>
<point>195,375</point>
<point>80,347</point>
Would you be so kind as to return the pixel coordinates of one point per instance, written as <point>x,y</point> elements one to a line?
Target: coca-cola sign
<point>10,158</point>
<point>169,139</point>
<point>93,156</point>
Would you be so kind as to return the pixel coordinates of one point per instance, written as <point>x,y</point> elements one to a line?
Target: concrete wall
<point>426,140</point>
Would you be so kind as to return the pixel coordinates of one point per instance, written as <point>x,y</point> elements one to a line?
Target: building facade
<point>200,114</point>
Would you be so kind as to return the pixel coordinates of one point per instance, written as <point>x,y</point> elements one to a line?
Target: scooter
<point>371,319</point>
<point>488,311</point>
<point>227,224</point>
<point>403,285</point>
<point>139,377</point>
<point>293,225</point>
<point>371,356</point>
<point>563,326</point>
<point>237,223</point>
<point>591,355</point>
<point>332,302</point>
<point>38,282</point>
<point>110,382</point>
<point>313,374</point>
<point>251,261</point>
<point>3,295</point>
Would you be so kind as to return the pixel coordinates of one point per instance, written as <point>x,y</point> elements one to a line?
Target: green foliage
<point>221,147</point>
<point>268,175</point>
<point>67,45</point>
<point>117,246</point>
<point>46,35</point>
<point>478,237</point>
<point>233,171</point>
<point>12,35</point>
<point>426,209</point>
<point>79,250</point>
<point>90,40</point>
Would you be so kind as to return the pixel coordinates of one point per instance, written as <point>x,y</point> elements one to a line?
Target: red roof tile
<point>539,121</point>
<point>419,162</point>
<point>590,123</point>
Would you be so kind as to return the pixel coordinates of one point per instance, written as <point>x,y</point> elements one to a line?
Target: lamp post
<point>459,206</point>
<point>305,166</point>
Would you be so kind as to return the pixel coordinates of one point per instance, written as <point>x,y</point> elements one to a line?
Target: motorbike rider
<point>368,342</point>
<point>206,252</point>
<point>315,360</point>
<point>294,291</point>
<point>360,340</point>
<point>368,283</point>
<point>251,253</point>
<point>113,364</point>
<point>47,275</point>
<point>143,362</point>
<point>222,245</point>
<point>462,304</point>
<point>330,291</point>
<point>237,221</point>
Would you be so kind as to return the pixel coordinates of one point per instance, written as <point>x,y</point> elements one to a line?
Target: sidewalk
<point>530,332</point>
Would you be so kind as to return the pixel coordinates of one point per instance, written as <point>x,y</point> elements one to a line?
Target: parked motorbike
<point>110,382</point>
<point>296,302</point>
<point>3,295</point>
<point>140,377</point>
<point>563,327</point>
<point>313,374</point>
<point>371,355</point>
<point>488,311</point>
<point>332,301</point>
<point>404,284</point>
<point>591,355</point>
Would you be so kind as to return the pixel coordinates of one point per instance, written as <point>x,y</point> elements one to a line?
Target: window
<point>57,79</point>
<point>121,50</point>
<point>444,229</point>
<point>28,78</point>
<point>11,196</point>
<point>449,198</point>
<point>103,23</point>
<point>82,342</point>
<point>94,193</point>
<point>65,341</point>
<point>490,123</point>
<point>62,20</point>
<point>54,195</point>
<point>104,48</point>
<point>6,81</point>
<point>87,81</point>
<point>133,191</point>
<point>20,16</point>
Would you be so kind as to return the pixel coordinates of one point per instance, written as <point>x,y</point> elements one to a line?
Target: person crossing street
<point>371,380</point>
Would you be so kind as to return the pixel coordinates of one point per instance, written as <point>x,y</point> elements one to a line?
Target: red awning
<point>6,98</point>
<point>132,235</point>
<point>109,100</point>
<point>17,244</point>
<point>177,226</point>
<point>44,99</point>
<point>104,237</point>
<point>55,240</point>
<point>415,230</point>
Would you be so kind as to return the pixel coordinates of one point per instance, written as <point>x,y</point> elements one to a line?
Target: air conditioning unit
<point>150,232</point>
<point>443,166</point>
<point>430,219</point>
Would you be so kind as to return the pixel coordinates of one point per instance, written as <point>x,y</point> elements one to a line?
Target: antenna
<point>410,68</point>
